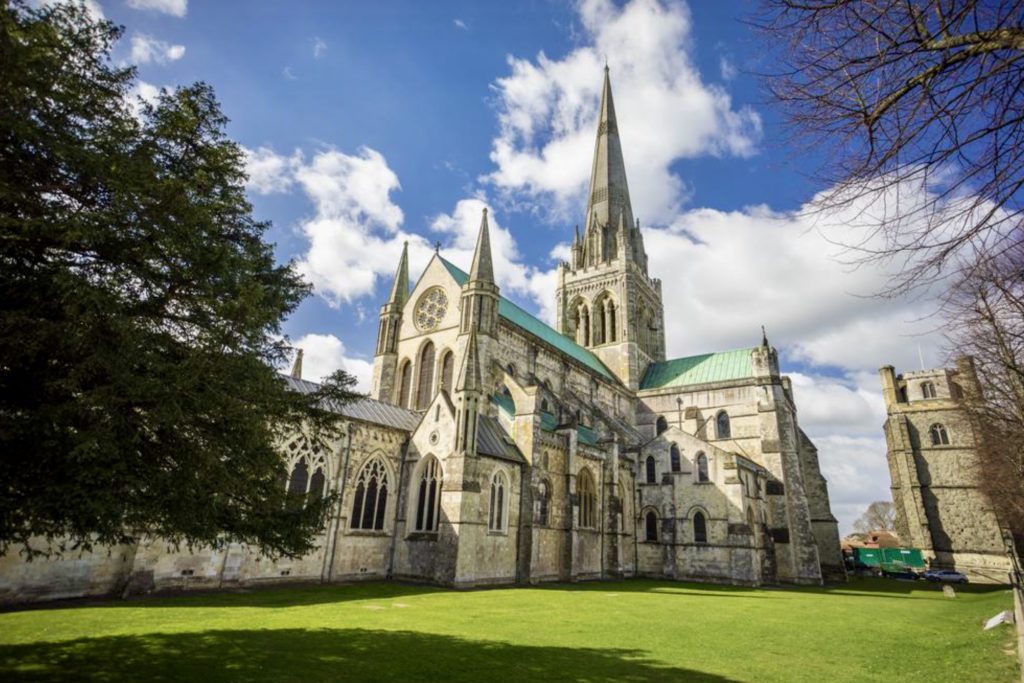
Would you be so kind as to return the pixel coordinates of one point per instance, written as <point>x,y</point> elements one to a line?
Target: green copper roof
<point>520,318</point>
<point>702,369</point>
<point>548,421</point>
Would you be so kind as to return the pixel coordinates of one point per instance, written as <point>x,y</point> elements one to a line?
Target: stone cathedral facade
<point>495,449</point>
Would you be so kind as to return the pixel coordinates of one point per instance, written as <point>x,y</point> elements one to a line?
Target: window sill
<point>368,532</point>
<point>422,536</point>
<point>496,532</point>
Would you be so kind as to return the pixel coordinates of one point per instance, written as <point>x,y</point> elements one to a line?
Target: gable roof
<point>492,440</point>
<point>528,323</point>
<point>365,409</point>
<point>704,368</point>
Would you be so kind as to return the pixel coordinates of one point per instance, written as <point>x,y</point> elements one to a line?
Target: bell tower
<point>606,300</point>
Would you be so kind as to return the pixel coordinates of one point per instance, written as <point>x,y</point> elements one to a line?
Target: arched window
<point>540,504</point>
<point>700,528</point>
<point>447,371</point>
<point>579,321</point>
<point>426,378</point>
<point>661,425</point>
<point>497,521</point>
<point>511,370</point>
<point>317,483</point>
<point>612,333</point>
<point>428,496</point>
<point>651,526</point>
<point>722,429</point>
<point>371,499</point>
<point>940,437</point>
<point>588,499</point>
<point>652,475</point>
<point>673,458</point>
<point>405,385</point>
<point>927,390</point>
<point>305,454</point>
<point>604,320</point>
<point>297,484</point>
<point>702,468</point>
<point>544,405</point>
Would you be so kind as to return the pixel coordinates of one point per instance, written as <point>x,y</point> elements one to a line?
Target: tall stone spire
<point>609,192</point>
<point>400,287</point>
<point>480,293</point>
<point>297,365</point>
<point>482,267</point>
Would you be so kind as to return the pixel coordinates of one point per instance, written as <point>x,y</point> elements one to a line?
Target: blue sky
<point>372,123</point>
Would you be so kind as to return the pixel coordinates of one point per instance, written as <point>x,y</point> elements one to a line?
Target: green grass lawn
<point>622,631</point>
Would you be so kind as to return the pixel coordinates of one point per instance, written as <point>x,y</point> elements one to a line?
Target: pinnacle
<point>483,268</point>
<point>400,286</point>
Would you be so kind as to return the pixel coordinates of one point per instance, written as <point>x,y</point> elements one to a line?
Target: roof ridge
<point>706,353</point>
<point>590,359</point>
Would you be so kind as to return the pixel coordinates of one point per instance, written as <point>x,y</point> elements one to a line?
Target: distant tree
<point>140,310</point>
<point>917,104</point>
<point>988,326</point>
<point>879,516</point>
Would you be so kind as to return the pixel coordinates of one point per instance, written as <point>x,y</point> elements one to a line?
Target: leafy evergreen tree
<point>140,310</point>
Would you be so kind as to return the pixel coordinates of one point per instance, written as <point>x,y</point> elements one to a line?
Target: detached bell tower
<point>606,300</point>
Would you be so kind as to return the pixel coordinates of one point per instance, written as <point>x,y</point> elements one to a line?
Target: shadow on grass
<point>323,654</point>
<point>277,595</point>
<point>894,588</point>
<point>662,587</point>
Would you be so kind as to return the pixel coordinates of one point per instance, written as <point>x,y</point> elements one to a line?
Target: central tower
<point>606,300</point>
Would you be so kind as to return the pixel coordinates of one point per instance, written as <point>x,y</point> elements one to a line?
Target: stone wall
<point>934,485</point>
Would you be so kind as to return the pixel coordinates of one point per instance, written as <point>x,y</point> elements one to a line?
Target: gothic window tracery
<point>447,371</point>
<point>371,497</point>
<point>927,390</point>
<point>430,309</point>
<point>306,463</point>
<point>497,519</point>
<point>428,495</point>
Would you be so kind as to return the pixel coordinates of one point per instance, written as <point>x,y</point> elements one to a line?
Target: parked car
<point>945,575</point>
<point>902,574</point>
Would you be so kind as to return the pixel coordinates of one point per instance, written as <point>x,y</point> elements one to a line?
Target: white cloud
<point>176,8</point>
<point>726,68</point>
<point>147,49</point>
<point>269,172</point>
<point>857,474</point>
<point>140,93</point>
<point>459,23</point>
<point>91,6</point>
<point>322,354</point>
<point>289,74</point>
<point>319,47</point>
<point>547,111</point>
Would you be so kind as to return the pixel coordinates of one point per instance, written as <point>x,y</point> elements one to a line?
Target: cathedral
<point>495,449</point>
